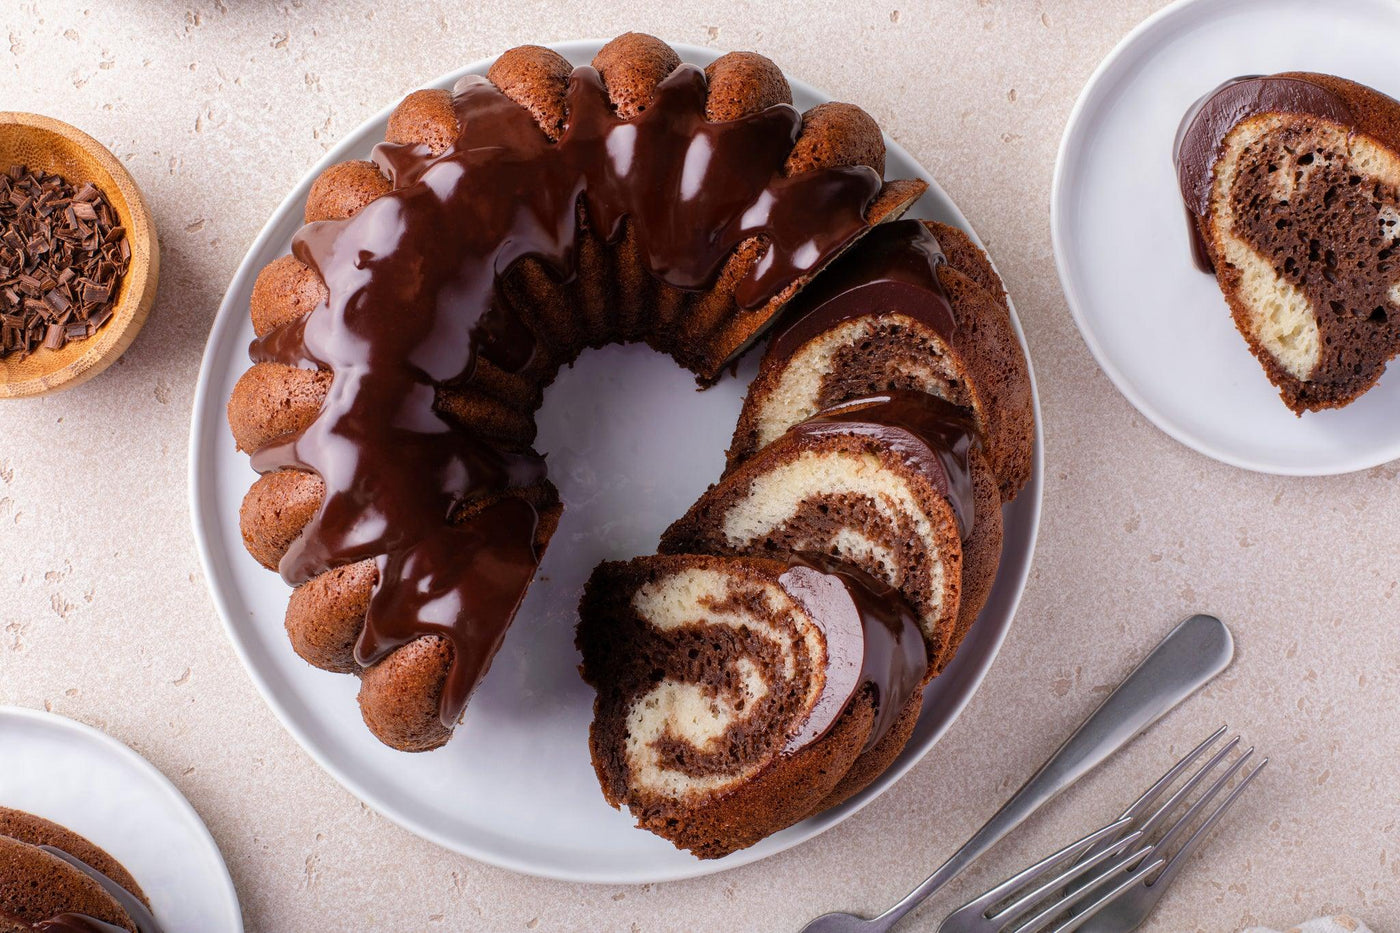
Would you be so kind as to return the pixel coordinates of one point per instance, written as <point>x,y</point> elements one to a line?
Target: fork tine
<point>1178,860</point>
<point>1199,806</point>
<point>1159,816</point>
<point>1140,805</point>
<point>1150,796</point>
<point>1004,890</point>
<point>1058,908</point>
<point>1068,877</point>
<point>1136,876</point>
<point>1112,878</point>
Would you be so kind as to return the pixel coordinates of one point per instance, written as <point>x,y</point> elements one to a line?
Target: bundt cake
<point>1292,190</point>
<point>55,881</point>
<point>501,228</point>
<point>916,307</point>
<point>894,485</point>
<point>735,694</point>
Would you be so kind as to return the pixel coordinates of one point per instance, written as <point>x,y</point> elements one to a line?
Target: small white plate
<point>89,782</point>
<point>631,444</point>
<point>1159,328</point>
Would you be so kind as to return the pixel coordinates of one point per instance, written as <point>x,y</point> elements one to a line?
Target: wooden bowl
<point>43,143</point>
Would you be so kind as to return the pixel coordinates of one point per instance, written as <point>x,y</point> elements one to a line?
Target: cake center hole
<point>631,442</point>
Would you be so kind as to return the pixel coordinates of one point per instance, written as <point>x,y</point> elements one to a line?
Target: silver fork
<point>1109,881</point>
<point>1130,908</point>
<point>1035,898</point>
<point>1193,653</point>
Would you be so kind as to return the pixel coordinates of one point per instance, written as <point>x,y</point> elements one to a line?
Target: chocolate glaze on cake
<point>413,305</point>
<point>1203,129</point>
<point>894,271</point>
<point>931,433</point>
<point>893,658</point>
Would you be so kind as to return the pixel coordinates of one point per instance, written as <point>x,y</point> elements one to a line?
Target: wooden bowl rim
<point>138,285</point>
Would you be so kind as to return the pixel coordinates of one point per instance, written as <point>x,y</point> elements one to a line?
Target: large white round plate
<point>1159,328</point>
<point>89,782</point>
<point>631,444</point>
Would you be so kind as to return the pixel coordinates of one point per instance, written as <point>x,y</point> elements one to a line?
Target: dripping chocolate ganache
<point>428,523</point>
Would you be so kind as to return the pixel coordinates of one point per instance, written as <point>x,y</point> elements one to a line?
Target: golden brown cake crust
<point>401,695</point>
<point>969,259</point>
<point>36,886</point>
<point>981,556</point>
<point>742,83</point>
<point>836,135</point>
<point>271,400</point>
<point>632,65</point>
<point>425,117</point>
<point>535,78</point>
<point>325,613</point>
<point>285,290</point>
<point>875,761</point>
<point>343,189</point>
<point>997,378</point>
<point>275,510</point>
<point>37,831</point>
<point>1375,114</point>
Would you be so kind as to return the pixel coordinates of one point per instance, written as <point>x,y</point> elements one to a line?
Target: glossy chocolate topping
<point>78,923</point>
<point>894,271</point>
<point>936,436</point>
<point>413,303</point>
<point>1209,121</point>
<point>886,649</point>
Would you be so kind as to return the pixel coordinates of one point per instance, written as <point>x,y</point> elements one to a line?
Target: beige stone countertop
<point>219,107</point>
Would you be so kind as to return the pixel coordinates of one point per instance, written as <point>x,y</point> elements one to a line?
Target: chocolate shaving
<point>62,256</point>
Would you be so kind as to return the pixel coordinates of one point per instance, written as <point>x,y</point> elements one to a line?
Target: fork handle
<point>1187,659</point>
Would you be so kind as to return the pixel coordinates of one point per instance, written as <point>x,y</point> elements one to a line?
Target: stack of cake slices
<point>55,881</point>
<point>769,662</point>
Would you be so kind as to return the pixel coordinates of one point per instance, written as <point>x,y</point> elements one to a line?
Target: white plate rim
<point>158,781</point>
<point>808,829</point>
<point>1059,237</point>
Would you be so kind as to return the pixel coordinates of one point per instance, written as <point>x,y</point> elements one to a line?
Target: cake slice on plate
<point>917,306</point>
<point>53,880</point>
<point>1292,190</point>
<point>734,695</point>
<point>895,486</point>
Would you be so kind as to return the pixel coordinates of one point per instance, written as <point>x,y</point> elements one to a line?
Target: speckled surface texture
<point>220,107</point>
